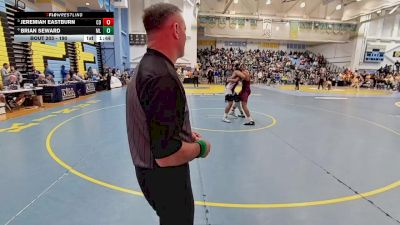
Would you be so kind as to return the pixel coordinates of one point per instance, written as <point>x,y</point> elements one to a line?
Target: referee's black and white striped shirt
<point>157,115</point>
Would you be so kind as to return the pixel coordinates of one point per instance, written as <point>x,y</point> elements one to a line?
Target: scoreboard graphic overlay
<point>64,26</point>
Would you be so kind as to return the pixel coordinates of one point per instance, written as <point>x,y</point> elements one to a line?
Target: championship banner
<point>267,28</point>
<point>294,30</point>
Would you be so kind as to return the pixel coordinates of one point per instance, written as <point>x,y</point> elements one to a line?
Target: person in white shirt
<point>260,76</point>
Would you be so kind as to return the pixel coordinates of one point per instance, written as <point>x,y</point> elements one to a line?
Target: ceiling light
<point>236,1</point>
<point>277,28</point>
<point>87,3</point>
<point>338,7</point>
<point>394,9</point>
<point>268,2</point>
<point>379,11</point>
<point>302,5</point>
<point>358,0</point>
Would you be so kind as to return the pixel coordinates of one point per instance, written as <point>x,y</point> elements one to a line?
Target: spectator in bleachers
<point>280,66</point>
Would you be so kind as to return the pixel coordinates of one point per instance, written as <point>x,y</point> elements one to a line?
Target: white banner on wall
<point>267,28</point>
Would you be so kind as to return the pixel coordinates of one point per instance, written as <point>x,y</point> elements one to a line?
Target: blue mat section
<point>317,150</point>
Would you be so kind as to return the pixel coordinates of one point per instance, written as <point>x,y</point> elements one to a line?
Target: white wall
<point>280,32</point>
<point>383,31</point>
<point>190,56</point>
<point>338,54</point>
<point>251,44</point>
<point>203,47</point>
<point>356,9</point>
<point>254,44</point>
<point>136,26</point>
<point>389,59</point>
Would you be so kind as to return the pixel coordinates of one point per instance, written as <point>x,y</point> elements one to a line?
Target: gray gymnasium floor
<point>307,161</point>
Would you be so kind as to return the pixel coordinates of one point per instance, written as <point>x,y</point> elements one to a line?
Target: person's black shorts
<point>236,98</point>
<point>229,98</point>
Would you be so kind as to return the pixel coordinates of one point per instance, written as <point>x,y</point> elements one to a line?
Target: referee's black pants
<point>168,190</point>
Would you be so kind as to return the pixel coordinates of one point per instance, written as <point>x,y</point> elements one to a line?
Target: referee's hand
<point>196,136</point>
<point>208,148</point>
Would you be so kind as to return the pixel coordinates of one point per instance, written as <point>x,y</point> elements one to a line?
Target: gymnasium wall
<point>53,54</point>
<point>340,54</point>
<point>356,9</point>
<point>251,44</point>
<point>382,32</point>
<point>279,31</point>
<point>86,56</point>
<point>136,27</point>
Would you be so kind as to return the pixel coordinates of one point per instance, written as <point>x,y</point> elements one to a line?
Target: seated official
<point>42,79</point>
<point>89,73</point>
<point>12,80</point>
<point>33,77</point>
<point>17,99</point>
<point>68,79</point>
<point>50,79</point>
<point>48,71</point>
<point>94,77</point>
<point>76,77</point>
<point>17,74</point>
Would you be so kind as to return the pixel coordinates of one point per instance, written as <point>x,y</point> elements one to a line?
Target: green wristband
<point>203,149</point>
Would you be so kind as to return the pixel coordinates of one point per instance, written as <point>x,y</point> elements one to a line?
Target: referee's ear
<point>176,30</point>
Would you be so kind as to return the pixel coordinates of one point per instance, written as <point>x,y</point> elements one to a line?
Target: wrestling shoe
<point>226,120</point>
<point>251,123</point>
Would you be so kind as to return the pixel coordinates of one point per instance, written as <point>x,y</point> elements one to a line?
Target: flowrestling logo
<point>68,93</point>
<point>90,88</point>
